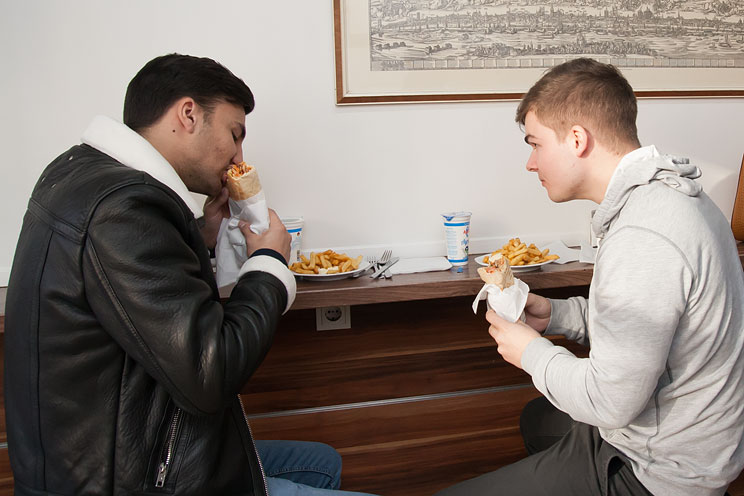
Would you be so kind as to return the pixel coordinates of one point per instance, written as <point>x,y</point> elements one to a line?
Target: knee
<point>329,453</point>
<point>332,461</point>
<point>533,413</point>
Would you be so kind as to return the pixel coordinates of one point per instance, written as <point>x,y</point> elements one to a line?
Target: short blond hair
<point>588,93</point>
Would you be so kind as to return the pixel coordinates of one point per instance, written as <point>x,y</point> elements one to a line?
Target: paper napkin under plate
<point>413,265</point>
<point>565,253</point>
<point>586,254</point>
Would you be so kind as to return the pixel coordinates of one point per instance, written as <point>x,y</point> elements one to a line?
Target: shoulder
<point>670,213</point>
<point>82,181</point>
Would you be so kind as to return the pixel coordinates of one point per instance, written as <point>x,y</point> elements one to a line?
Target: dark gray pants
<point>567,458</point>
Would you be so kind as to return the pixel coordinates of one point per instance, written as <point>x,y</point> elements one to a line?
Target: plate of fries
<point>522,257</point>
<point>327,266</point>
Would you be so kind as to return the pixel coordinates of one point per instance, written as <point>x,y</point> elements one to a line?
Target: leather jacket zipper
<point>169,448</point>
<point>255,450</point>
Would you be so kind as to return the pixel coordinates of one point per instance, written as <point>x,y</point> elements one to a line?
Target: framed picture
<point>465,50</point>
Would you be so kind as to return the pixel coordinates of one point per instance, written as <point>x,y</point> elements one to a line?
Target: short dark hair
<point>165,79</point>
<point>588,93</point>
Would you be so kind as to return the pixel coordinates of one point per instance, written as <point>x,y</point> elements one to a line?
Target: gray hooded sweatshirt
<point>664,380</point>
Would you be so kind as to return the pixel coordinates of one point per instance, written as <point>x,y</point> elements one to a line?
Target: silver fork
<point>371,264</point>
<point>387,274</point>
<point>372,260</point>
<point>385,258</point>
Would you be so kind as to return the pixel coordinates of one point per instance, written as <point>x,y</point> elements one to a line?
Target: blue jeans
<point>298,468</point>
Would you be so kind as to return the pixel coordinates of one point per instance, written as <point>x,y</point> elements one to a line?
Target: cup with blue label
<point>294,227</point>
<point>457,234</point>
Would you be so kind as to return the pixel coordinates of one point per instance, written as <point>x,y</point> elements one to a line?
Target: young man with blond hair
<point>658,405</point>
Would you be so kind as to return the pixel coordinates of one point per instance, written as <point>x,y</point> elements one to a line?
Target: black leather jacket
<point>122,365</point>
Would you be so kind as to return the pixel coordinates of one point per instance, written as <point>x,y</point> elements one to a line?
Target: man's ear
<point>187,114</point>
<point>579,140</point>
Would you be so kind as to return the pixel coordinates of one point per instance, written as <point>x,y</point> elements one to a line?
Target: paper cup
<point>456,234</point>
<point>294,227</point>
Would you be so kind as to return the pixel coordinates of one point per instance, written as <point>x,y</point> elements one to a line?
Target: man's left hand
<point>215,209</point>
<point>511,338</point>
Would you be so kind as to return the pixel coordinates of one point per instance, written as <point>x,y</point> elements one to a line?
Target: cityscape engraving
<point>407,35</point>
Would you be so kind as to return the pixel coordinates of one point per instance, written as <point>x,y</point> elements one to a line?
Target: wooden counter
<point>458,281</point>
<point>431,285</point>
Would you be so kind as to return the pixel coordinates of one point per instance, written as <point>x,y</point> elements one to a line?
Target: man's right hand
<point>537,310</point>
<point>275,237</point>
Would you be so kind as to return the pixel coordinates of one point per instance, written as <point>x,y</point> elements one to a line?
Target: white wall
<point>362,176</point>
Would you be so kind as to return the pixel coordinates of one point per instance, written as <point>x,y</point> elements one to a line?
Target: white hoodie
<point>664,380</point>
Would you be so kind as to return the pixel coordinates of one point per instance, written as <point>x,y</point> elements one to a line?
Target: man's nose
<point>238,155</point>
<point>531,163</point>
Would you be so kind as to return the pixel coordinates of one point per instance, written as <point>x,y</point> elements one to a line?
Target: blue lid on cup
<point>457,216</point>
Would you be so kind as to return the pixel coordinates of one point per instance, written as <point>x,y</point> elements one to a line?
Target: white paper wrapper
<point>230,251</point>
<point>508,303</point>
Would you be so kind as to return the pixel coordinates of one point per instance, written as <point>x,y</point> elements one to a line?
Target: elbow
<point>201,394</point>
<point>201,402</point>
<point>615,422</point>
<point>613,416</point>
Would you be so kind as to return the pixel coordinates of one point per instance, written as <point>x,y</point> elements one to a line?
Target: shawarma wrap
<point>242,181</point>
<point>498,272</point>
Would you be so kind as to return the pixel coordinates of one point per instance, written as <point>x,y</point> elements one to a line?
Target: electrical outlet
<point>327,318</point>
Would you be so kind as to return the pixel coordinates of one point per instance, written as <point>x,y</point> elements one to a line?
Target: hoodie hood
<point>641,167</point>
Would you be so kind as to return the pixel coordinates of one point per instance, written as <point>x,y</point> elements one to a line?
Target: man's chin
<point>558,199</point>
<point>212,191</point>
<point>554,196</point>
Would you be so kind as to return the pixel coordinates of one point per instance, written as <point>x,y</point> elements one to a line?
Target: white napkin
<point>565,253</point>
<point>588,254</point>
<point>508,303</point>
<point>413,265</point>
<point>231,251</point>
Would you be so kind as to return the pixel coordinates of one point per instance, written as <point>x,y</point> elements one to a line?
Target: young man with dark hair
<point>658,406</point>
<point>123,367</point>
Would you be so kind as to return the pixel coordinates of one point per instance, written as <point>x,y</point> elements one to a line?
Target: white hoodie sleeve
<point>569,318</point>
<point>639,291</point>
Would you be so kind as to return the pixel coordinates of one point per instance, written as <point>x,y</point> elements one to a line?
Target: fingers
<point>274,217</point>
<point>275,224</point>
<point>494,332</point>
<point>512,339</point>
<point>497,325</point>
<point>494,318</point>
<point>217,205</point>
<point>217,201</point>
<point>275,237</point>
<point>498,336</point>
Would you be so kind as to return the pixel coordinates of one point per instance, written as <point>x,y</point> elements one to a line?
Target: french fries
<point>327,262</point>
<point>519,253</point>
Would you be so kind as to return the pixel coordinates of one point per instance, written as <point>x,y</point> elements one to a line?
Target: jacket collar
<point>640,167</point>
<point>121,143</point>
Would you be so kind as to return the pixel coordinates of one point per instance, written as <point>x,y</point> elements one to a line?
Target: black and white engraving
<point>408,35</point>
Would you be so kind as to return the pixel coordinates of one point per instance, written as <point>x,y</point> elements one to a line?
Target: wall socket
<point>327,318</point>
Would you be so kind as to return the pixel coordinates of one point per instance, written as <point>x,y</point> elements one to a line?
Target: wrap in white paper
<point>231,251</point>
<point>507,303</point>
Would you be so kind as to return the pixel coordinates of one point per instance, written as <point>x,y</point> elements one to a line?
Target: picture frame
<point>395,51</point>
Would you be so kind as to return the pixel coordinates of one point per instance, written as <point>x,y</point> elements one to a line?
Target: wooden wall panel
<point>393,350</point>
<point>414,448</point>
<point>402,357</point>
